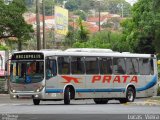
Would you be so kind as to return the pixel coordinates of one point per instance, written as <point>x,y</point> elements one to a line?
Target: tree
<point>81,14</point>
<point>142,31</point>
<point>116,7</point>
<point>49,7</point>
<point>156,11</point>
<point>72,5</point>
<point>3,47</point>
<point>12,23</point>
<point>105,39</point>
<point>70,37</point>
<point>82,31</point>
<point>86,5</point>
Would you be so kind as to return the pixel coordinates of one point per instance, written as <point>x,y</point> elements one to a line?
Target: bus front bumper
<point>26,95</point>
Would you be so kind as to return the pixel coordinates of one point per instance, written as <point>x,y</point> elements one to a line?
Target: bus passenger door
<point>50,75</point>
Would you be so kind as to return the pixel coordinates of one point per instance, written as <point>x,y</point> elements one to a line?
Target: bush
<point>3,47</point>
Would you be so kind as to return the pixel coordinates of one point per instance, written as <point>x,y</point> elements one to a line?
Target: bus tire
<point>36,101</point>
<point>130,94</point>
<point>67,96</point>
<point>100,100</point>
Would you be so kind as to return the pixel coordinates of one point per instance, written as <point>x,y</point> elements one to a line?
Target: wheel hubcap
<point>130,95</point>
<point>69,95</point>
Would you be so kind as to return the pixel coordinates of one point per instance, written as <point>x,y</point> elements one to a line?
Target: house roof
<point>32,19</point>
<point>102,18</point>
<point>91,27</point>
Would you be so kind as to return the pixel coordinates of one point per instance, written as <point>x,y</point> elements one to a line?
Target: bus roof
<point>88,52</point>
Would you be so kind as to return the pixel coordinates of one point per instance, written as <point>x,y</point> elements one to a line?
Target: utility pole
<point>99,11</point>
<point>44,31</point>
<point>122,10</point>
<point>38,26</point>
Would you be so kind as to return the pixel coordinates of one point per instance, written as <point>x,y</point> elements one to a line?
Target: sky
<point>131,1</point>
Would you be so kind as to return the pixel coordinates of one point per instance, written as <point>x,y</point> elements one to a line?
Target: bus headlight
<point>39,89</point>
<point>13,91</point>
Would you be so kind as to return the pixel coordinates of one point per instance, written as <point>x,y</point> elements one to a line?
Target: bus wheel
<point>36,101</point>
<point>130,94</point>
<point>67,96</point>
<point>100,101</point>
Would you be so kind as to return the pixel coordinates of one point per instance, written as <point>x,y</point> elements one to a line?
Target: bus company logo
<point>104,79</point>
<point>69,79</point>
<point>114,79</point>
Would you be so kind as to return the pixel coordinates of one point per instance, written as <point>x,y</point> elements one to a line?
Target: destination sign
<point>27,56</point>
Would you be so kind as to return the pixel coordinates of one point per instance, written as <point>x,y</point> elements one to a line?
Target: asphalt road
<point>47,109</point>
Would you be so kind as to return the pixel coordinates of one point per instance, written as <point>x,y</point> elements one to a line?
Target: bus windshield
<point>27,71</point>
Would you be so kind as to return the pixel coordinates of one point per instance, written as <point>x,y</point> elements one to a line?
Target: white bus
<point>98,74</point>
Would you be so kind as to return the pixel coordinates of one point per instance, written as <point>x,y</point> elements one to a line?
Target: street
<point>76,107</point>
<point>81,109</point>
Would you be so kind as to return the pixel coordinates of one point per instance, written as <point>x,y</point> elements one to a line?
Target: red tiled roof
<point>91,27</point>
<point>96,19</point>
<point>33,19</point>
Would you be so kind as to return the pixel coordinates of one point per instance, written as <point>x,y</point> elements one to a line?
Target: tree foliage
<point>81,14</point>
<point>80,34</point>
<point>72,5</point>
<point>105,39</point>
<point>49,7</point>
<point>12,23</point>
<point>143,31</point>
<point>82,31</point>
<point>3,47</point>
<point>117,7</point>
<point>112,6</point>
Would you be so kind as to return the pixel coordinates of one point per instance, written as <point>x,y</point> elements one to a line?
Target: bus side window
<point>64,65</point>
<point>77,65</point>
<point>132,66</point>
<point>51,68</point>
<point>144,66</point>
<point>119,66</point>
<point>105,65</point>
<point>91,64</point>
<point>152,66</point>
